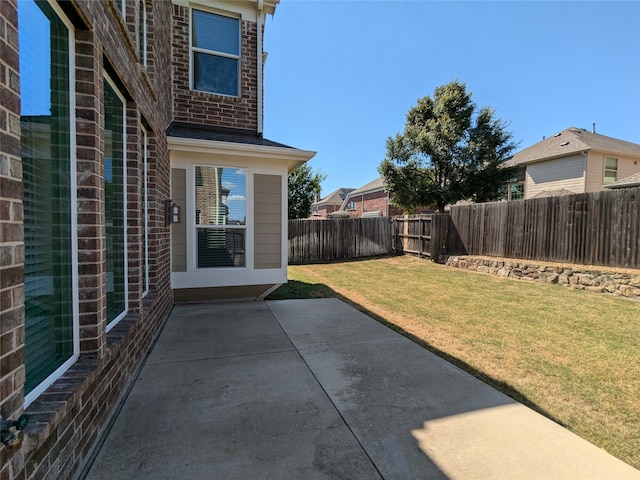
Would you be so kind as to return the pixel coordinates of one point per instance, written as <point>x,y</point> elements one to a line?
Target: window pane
<point>221,247</point>
<point>46,156</point>
<point>216,33</point>
<point>220,196</point>
<point>215,74</point>
<point>517,192</point>
<point>220,201</point>
<point>611,163</point>
<point>142,31</point>
<point>114,203</point>
<point>144,214</point>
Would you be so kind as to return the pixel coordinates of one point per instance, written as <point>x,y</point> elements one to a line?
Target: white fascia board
<point>248,9</point>
<point>293,156</point>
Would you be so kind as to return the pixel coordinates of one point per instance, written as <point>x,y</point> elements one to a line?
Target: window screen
<point>47,175</point>
<point>220,216</point>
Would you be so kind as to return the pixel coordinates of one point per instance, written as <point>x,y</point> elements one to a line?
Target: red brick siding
<point>374,201</point>
<point>11,234</point>
<point>207,108</point>
<point>67,419</point>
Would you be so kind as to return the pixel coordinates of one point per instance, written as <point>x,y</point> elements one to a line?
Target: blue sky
<point>341,75</point>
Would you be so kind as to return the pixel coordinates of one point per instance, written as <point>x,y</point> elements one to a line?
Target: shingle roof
<point>570,141</point>
<point>334,198</point>
<point>630,181</point>
<point>377,184</point>
<point>203,132</point>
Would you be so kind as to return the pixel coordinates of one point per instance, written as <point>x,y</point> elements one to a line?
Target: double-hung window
<point>115,204</point>
<point>221,212</point>
<point>215,53</point>
<point>610,169</point>
<point>49,171</point>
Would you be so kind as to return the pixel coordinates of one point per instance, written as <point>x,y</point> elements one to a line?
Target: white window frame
<point>115,321</point>
<point>511,188</point>
<point>193,49</point>
<point>198,227</point>
<point>75,296</point>
<point>605,170</point>
<point>145,209</point>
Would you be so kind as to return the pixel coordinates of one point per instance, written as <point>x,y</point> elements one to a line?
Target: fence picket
<point>598,228</point>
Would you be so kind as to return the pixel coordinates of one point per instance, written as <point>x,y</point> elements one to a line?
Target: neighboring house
<point>573,161</point>
<point>330,203</point>
<point>370,200</point>
<point>132,170</point>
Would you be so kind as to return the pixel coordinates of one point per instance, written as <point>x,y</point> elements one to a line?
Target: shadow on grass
<point>295,289</point>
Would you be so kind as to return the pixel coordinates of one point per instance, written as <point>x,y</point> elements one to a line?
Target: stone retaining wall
<point>625,283</point>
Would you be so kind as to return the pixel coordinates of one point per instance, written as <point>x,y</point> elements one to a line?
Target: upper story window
<point>610,169</point>
<point>215,53</point>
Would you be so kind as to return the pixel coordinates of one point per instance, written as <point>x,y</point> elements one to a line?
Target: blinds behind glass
<point>220,216</point>
<point>46,160</point>
<point>115,216</point>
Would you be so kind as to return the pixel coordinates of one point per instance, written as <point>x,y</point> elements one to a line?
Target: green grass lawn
<point>572,355</point>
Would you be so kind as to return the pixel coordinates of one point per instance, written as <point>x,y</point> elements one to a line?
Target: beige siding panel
<point>563,173</point>
<point>268,221</point>
<point>179,230</point>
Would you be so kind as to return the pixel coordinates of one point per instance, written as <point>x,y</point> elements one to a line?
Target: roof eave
<point>294,157</point>
<point>551,157</point>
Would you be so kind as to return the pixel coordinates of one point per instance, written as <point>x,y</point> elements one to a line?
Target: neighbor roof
<point>626,182</point>
<point>373,186</point>
<point>570,141</point>
<point>334,198</point>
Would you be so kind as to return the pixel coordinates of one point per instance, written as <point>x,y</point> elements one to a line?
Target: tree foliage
<point>449,151</point>
<point>303,187</point>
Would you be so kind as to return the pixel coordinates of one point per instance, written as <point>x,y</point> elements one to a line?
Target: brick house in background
<point>370,200</point>
<point>330,203</point>
<point>111,112</point>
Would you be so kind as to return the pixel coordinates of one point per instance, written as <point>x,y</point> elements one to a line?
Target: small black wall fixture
<point>6,435</point>
<point>171,213</point>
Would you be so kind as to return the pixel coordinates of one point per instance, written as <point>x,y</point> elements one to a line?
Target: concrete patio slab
<point>314,389</point>
<point>418,416</point>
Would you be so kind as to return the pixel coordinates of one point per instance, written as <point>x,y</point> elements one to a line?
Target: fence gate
<point>422,235</point>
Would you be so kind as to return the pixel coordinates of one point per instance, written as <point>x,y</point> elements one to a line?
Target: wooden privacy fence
<point>422,235</point>
<point>598,228</point>
<point>338,238</point>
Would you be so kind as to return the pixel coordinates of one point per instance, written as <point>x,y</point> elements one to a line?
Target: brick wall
<point>207,108</point>
<point>11,234</point>
<point>371,202</point>
<point>67,419</point>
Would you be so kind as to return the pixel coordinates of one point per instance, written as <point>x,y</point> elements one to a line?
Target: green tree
<point>449,151</point>
<point>303,186</point>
